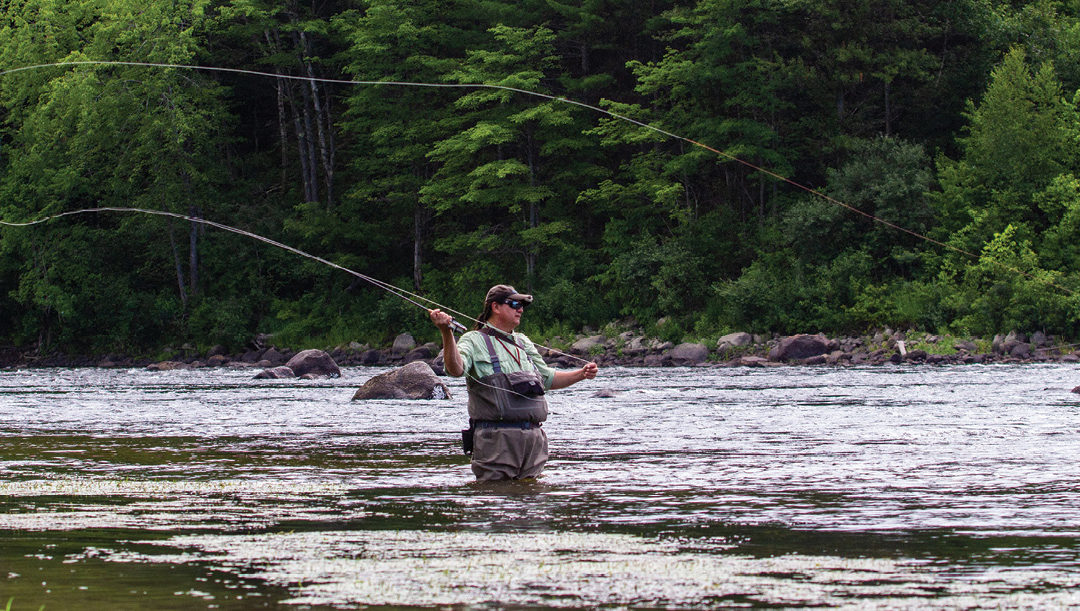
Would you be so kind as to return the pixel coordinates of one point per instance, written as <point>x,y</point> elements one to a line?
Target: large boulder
<point>797,347</point>
<point>403,344</point>
<point>587,345</point>
<point>636,346</point>
<point>314,363</point>
<point>967,346</point>
<point>997,345</point>
<point>217,360</point>
<point>274,356</point>
<point>251,356</point>
<point>1022,350</point>
<point>422,353</point>
<point>734,340</point>
<point>371,357</point>
<point>413,381</point>
<point>689,354</point>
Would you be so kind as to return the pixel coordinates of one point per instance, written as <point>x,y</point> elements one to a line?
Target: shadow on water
<point>689,488</point>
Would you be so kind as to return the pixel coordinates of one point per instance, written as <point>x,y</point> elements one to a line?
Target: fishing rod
<point>408,296</point>
<point>604,111</point>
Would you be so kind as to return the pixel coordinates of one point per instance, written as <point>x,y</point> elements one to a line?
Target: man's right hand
<point>441,319</point>
<point>451,357</point>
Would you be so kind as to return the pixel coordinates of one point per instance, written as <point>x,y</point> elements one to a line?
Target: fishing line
<point>565,100</point>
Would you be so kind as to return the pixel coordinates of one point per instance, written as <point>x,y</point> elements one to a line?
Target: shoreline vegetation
<point>627,348</point>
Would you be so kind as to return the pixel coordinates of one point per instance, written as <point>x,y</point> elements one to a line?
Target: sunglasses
<point>515,304</point>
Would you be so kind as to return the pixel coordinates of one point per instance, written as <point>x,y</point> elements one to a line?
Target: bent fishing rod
<point>399,292</point>
<point>408,296</point>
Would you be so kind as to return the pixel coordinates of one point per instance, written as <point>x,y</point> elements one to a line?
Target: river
<point>896,487</point>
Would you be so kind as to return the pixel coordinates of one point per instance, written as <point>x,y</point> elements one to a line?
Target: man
<point>506,378</point>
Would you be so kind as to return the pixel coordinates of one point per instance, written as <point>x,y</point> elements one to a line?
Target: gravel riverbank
<point>628,349</point>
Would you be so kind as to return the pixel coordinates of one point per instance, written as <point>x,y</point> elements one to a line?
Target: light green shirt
<point>523,357</point>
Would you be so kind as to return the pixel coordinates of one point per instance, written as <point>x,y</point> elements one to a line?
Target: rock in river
<point>413,381</point>
<point>306,364</point>
<point>275,373</point>
<point>314,362</point>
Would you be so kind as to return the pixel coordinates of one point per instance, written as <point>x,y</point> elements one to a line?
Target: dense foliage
<point>956,121</point>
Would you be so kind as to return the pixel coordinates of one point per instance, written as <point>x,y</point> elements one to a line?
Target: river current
<point>896,487</point>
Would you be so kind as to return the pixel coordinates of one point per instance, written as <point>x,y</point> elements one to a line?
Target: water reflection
<point>893,487</point>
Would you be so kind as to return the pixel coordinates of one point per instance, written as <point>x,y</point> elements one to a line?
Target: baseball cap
<point>500,292</point>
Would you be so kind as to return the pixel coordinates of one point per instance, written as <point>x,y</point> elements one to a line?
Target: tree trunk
<point>193,251</point>
<point>323,124</point>
<point>888,121</point>
<point>178,265</point>
<point>534,215</point>
<point>283,122</point>
<point>421,217</point>
<point>302,147</point>
<point>312,177</point>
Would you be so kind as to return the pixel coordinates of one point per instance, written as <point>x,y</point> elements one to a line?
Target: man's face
<point>506,317</point>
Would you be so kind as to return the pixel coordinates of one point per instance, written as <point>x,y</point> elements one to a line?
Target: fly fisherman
<point>506,378</point>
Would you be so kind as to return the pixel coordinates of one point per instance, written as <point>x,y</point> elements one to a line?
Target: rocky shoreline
<point>627,349</point>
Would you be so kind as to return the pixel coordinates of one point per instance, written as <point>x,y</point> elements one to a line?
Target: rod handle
<point>457,327</point>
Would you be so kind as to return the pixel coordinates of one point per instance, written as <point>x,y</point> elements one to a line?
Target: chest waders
<point>504,400</point>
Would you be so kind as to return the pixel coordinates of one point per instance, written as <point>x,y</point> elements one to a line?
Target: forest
<point>874,163</point>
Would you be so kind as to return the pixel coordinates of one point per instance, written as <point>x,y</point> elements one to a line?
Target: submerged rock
<point>276,373</point>
<point>413,381</point>
<point>167,366</point>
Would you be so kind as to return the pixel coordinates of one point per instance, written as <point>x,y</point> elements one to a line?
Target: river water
<point>886,487</point>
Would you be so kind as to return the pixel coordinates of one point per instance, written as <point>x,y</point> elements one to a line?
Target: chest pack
<point>517,396</point>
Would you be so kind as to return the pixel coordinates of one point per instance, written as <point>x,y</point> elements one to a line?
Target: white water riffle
<point>894,487</point>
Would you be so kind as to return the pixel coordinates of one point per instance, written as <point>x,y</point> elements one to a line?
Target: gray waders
<point>505,412</point>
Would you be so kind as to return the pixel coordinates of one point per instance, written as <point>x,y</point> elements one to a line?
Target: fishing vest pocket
<point>526,383</point>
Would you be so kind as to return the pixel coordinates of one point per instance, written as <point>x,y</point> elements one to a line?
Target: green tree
<point>1007,288</point>
<point>1020,137</point>
<point>294,39</point>
<point>506,168</point>
<point>392,128</point>
<point>110,135</point>
<point>882,178</point>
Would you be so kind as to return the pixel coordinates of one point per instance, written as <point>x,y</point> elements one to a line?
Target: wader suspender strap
<point>491,351</point>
